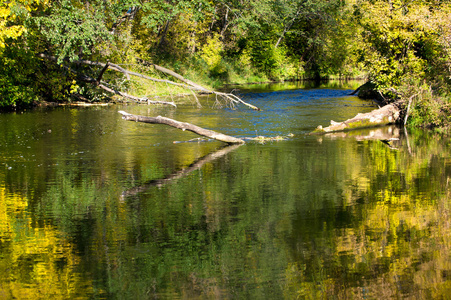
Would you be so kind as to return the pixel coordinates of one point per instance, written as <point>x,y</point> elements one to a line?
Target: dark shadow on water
<point>181,173</point>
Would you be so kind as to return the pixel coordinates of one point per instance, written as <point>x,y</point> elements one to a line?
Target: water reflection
<point>182,173</point>
<point>298,85</point>
<point>38,262</point>
<point>86,211</point>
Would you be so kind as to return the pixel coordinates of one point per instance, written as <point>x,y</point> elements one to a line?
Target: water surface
<point>95,207</point>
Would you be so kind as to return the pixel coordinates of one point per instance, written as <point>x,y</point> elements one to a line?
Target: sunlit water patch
<point>300,111</point>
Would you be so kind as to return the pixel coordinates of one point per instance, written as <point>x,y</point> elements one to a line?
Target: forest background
<point>402,46</point>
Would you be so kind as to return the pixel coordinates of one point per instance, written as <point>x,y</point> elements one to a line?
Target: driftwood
<point>183,126</point>
<point>180,174</point>
<point>389,114</point>
<point>187,83</point>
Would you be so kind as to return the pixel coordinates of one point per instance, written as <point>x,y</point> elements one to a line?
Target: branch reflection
<point>181,173</point>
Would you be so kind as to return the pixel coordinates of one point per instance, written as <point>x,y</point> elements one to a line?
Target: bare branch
<point>408,108</point>
<point>125,95</point>
<point>188,84</point>
<point>101,73</point>
<point>183,126</point>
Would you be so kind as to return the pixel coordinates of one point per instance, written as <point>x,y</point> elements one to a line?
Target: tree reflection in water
<point>310,217</point>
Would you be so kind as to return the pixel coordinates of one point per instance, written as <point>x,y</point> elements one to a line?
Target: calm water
<point>95,207</point>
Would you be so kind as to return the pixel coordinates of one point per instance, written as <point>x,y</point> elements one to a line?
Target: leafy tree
<point>11,13</point>
<point>75,29</point>
<point>16,65</point>
<point>17,77</point>
<point>400,41</point>
<point>166,21</point>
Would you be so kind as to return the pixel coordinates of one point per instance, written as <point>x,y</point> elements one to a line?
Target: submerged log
<point>183,126</point>
<point>389,114</point>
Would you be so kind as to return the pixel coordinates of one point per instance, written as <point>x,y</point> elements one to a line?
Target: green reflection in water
<point>113,209</point>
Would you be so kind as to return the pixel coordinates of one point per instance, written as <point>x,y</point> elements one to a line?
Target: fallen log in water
<point>183,126</point>
<point>389,114</point>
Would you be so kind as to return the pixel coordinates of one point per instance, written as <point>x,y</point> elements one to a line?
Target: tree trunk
<point>183,126</point>
<point>163,35</point>
<point>233,99</point>
<point>389,114</point>
<point>287,27</point>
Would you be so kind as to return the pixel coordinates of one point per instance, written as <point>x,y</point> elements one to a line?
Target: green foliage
<point>405,47</point>
<point>212,55</point>
<point>158,12</point>
<point>17,77</point>
<point>26,80</point>
<point>430,110</point>
<point>73,29</point>
<point>398,39</point>
<point>261,54</point>
<point>271,61</point>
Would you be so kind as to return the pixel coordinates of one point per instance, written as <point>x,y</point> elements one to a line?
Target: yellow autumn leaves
<point>9,27</point>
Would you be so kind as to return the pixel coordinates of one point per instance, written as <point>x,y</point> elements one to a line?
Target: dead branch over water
<point>187,84</point>
<point>183,126</point>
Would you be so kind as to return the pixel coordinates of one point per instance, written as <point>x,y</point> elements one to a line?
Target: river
<point>95,207</point>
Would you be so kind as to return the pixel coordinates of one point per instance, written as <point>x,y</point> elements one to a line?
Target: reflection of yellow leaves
<point>8,203</point>
<point>298,287</point>
<point>37,263</point>
<point>429,223</point>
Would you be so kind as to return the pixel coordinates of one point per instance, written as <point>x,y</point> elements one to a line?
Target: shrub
<point>430,110</point>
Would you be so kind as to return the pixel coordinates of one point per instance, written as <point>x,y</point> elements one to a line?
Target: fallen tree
<point>229,96</point>
<point>187,84</point>
<point>98,81</point>
<point>183,126</point>
<point>388,114</point>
